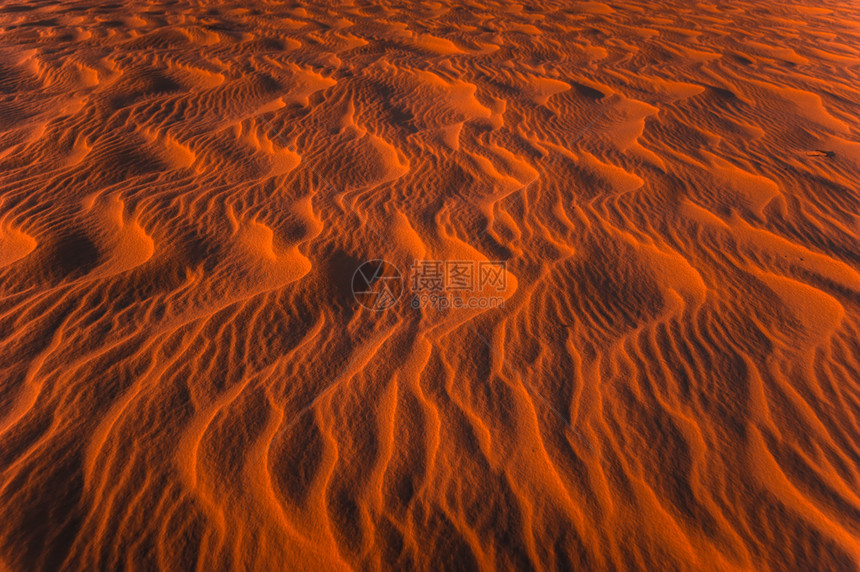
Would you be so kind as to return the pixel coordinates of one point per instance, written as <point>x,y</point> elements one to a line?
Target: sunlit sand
<point>435,286</point>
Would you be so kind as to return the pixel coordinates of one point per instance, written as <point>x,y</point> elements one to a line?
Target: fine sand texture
<point>669,378</point>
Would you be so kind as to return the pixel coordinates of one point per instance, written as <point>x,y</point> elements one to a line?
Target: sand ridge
<point>187,381</point>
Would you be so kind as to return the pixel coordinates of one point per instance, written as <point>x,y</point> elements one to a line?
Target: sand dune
<point>190,379</point>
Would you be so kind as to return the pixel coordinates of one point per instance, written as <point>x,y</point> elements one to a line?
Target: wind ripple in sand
<point>186,380</point>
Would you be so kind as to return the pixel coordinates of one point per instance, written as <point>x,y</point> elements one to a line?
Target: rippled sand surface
<point>187,381</point>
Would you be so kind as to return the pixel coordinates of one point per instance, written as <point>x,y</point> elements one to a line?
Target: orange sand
<point>188,383</point>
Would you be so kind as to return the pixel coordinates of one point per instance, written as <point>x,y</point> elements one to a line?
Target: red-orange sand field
<point>388,285</point>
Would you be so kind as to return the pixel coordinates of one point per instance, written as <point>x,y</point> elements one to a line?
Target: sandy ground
<point>666,377</point>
